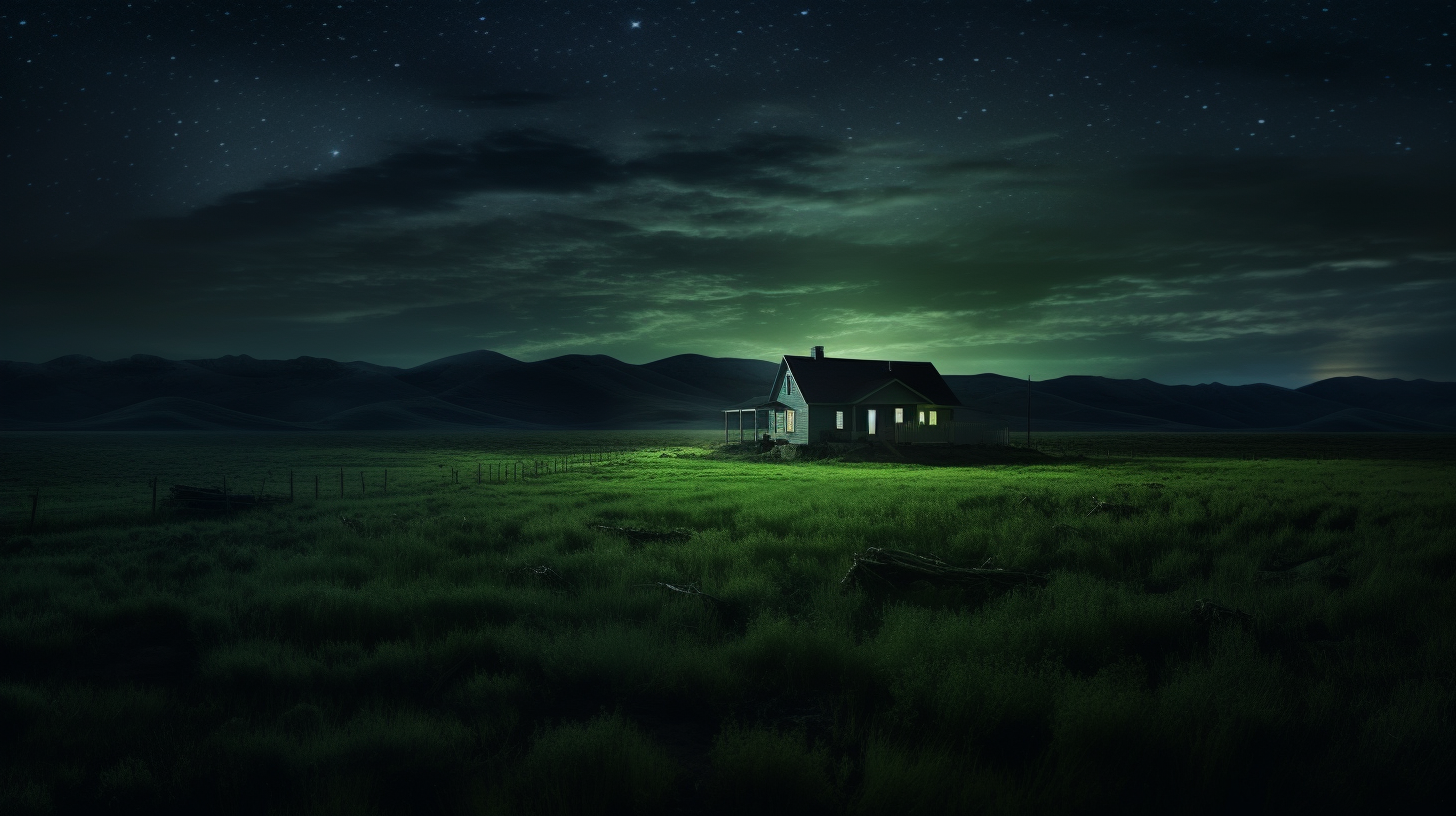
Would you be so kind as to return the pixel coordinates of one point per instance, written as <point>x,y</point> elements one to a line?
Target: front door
<point>870,421</point>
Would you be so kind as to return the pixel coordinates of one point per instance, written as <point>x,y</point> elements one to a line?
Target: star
<point>636,23</point>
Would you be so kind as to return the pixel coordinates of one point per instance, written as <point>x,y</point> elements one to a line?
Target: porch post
<point>740,427</point>
<point>725,427</point>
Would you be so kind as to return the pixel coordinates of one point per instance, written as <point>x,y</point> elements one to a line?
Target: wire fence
<point>58,505</point>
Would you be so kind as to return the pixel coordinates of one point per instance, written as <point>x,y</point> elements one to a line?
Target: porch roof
<point>756,404</point>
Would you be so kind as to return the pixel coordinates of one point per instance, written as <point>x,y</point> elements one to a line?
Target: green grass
<point>279,660</point>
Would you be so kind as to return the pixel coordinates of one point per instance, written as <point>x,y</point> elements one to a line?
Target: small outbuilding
<point>819,398</point>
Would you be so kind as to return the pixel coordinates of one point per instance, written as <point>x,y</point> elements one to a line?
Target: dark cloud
<point>1321,199</point>
<point>970,165</point>
<point>434,177</point>
<point>765,163</point>
<point>420,179</point>
<point>499,99</point>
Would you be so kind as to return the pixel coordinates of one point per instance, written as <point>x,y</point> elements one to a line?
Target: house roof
<point>841,379</point>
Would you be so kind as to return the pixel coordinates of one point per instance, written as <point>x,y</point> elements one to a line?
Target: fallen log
<point>878,569</point>
<point>1207,612</point>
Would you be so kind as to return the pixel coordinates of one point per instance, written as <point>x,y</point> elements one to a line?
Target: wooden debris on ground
<point>548,576</point>
<point>1111,508</point>
<point>638,536</point>
<point>1207,612</point>
<point>878,569</point>
<point>687,589</point>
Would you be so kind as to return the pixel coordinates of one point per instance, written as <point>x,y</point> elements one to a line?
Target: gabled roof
<point>841,379</point>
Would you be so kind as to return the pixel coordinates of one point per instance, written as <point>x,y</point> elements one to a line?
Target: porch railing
<point>960,433</point>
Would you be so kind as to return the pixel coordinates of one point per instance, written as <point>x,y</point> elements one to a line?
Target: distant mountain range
<point>484,389</point>
<point>1102,404</point>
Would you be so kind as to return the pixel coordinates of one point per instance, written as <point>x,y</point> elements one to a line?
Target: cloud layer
<point>535,244</point>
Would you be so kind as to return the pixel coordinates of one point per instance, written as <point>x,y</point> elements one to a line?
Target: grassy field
<point>1236,626</point>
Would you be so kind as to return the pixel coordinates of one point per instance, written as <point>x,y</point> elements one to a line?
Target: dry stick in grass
<point>1100,506</point>
<point>686,589</point>
<point>549,576</point>
<point>878,568</point>
<point>1208,612</point>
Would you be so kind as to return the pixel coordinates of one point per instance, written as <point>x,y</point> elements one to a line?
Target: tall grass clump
<point>762,770</point>
<point>605,765</point>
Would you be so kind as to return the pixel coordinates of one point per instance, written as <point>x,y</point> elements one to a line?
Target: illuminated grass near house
<point>411,662</point>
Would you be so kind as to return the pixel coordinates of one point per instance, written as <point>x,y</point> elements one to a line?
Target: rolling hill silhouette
<point>485,389</point>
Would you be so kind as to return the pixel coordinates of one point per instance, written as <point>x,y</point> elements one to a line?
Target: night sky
<point>1228,190</point>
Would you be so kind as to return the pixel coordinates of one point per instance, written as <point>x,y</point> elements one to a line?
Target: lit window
<point>899,415</point>
<point>790,421</point>
<point>922,418</point>
<point>933,417</point>
<point>870,421</point>
<point>838,420</point>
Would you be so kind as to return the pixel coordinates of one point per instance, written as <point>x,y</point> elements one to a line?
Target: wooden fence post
<point>34,502</point>
<point>290,486</point>
<point>227,502</point>
<point>341,483</point>
<point>315,486</point>
<point>386,481</point>
<point>154,495</point>
<point>361,482</point>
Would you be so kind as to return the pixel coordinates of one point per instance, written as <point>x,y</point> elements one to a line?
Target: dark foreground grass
<point>417,660</point>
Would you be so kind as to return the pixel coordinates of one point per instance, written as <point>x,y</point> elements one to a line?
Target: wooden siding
<point>884,420</point>
<point>802,418</point>
<point>821,427</point>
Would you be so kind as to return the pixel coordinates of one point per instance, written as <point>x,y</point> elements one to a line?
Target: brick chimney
<point>816,353</point>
